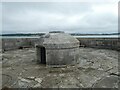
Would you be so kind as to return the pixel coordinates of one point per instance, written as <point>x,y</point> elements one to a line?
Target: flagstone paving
<point>96,68</point>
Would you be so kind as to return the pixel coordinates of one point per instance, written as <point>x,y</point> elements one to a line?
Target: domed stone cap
<point>56,32</point>
<point>59,40</point>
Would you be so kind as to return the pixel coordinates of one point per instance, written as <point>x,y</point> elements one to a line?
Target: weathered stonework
<point>60,49</point>
<point>102,43</point>
<point>96,68</point>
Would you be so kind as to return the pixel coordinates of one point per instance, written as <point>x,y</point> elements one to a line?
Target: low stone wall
<point>105,43</point>
<point>17,43</point>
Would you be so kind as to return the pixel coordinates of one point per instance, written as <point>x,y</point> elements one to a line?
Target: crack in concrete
<point>114,74</point>
<point>98,81</point>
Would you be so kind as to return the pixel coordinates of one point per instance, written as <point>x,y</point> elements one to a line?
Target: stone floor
<point>97,68</point>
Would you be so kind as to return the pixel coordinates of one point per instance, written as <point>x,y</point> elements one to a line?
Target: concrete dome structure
<point>57,48</point>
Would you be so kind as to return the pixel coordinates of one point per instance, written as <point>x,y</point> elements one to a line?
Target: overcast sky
<point>82,17</point>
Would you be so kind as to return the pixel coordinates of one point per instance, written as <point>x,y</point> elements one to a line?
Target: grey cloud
<point>43,17</point>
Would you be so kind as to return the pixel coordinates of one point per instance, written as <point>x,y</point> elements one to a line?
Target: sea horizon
<point>77,36</point>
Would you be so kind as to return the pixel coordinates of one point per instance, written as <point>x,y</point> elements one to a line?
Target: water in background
<point>98,36</point>
<point>87,36</point>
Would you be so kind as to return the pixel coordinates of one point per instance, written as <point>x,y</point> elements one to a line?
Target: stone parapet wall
<point>17,43</point>
<point>105,43</point>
